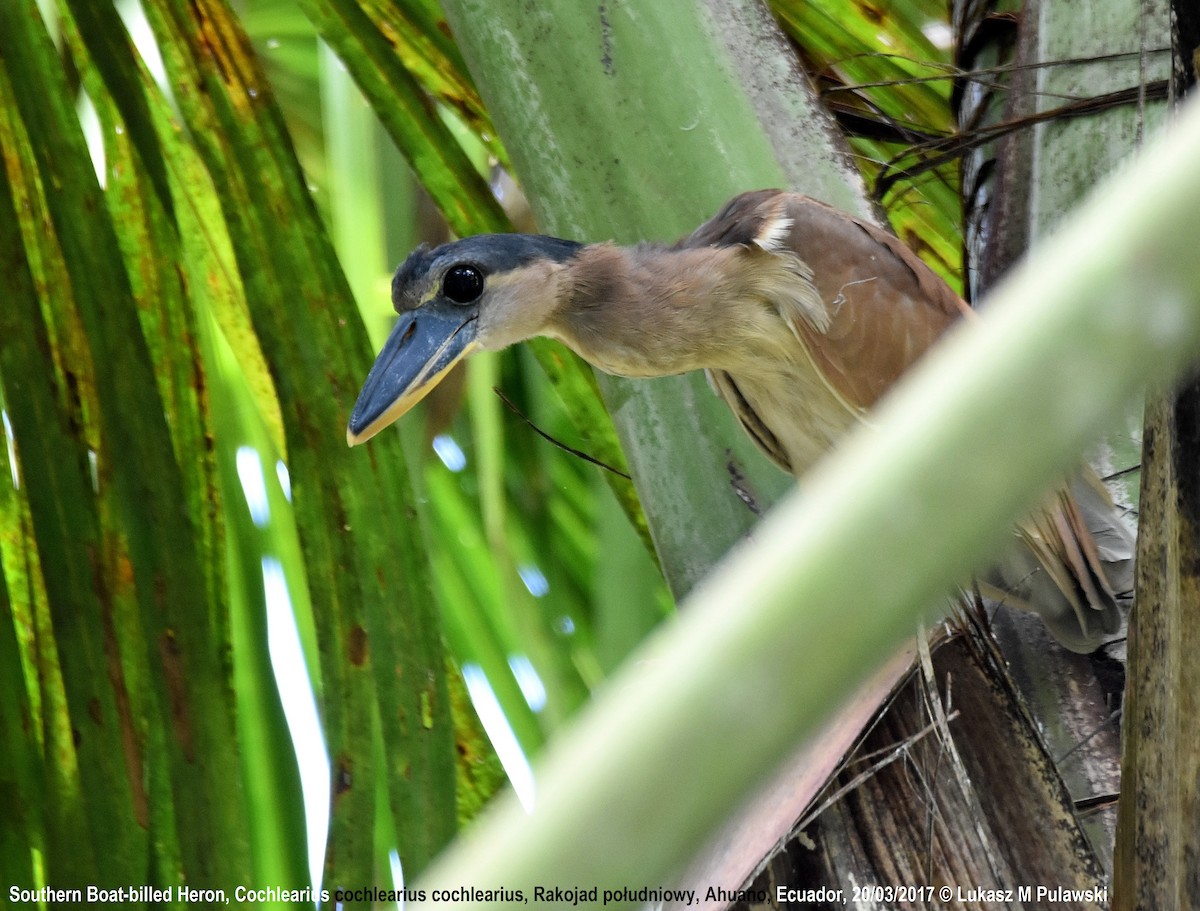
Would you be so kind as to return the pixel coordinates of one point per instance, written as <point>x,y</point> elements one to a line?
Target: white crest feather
<point>773,233</point>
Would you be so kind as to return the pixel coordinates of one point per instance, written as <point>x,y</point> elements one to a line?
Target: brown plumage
<point>802,317</point>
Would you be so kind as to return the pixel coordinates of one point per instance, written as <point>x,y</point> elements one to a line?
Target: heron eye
<point>462,284</point>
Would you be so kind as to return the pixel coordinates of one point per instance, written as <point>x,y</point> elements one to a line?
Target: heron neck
<point>653,311</point>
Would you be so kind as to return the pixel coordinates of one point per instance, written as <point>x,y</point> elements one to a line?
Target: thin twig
<point>563,446</point>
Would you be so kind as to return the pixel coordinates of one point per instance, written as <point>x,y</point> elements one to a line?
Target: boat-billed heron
<point>801,315</point>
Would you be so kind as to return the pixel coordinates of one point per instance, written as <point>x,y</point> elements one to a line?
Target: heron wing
<point>883,307</point>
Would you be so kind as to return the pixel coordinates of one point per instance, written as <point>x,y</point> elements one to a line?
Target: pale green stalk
<point>636,121</point>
